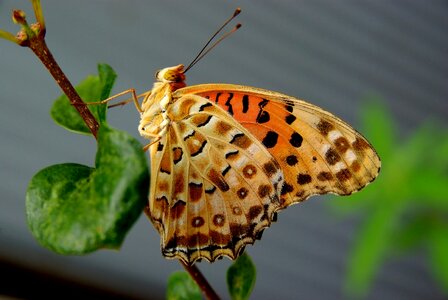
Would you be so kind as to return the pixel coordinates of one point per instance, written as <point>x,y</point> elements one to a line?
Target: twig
<point>203,284</point>
<point>40,49</point>
<point>33,37</point>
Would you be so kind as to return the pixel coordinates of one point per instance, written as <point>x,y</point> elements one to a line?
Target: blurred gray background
<point>332,53</point>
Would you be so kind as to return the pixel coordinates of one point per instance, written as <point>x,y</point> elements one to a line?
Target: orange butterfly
<point>226,158</point>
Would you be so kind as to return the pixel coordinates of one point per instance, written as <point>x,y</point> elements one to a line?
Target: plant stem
<point>40,49</point>
<point>203,284</point>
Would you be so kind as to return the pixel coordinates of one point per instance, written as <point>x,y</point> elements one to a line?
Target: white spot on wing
<point>349,156</point>
<point>252,149</point>
<point>338,166</point>
<point>334,134</point>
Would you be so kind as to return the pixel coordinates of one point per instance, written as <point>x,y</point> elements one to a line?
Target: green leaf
<point>438,250</point>
<point>8,36</point>
<point>241,277</point>
<point>75,209</point>
<point>91,89</point>
<point>107,78</point>
<point>429,189</point>
<point>182,287</point>
<point>410,234</point>
<point>369,251</point>
<point>402,203</point>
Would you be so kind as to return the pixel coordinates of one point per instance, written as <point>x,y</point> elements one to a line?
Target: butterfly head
<point>171,74</point>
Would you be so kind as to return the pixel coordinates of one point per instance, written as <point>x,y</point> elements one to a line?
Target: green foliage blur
<point>406,207</point>
<point>182,287</point>
<point>241,277</point>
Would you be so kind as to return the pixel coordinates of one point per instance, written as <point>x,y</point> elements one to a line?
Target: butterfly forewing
<point>317,152</point>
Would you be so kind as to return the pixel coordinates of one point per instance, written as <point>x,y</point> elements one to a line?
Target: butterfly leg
<point>156,139</point>
<point>133,98</point>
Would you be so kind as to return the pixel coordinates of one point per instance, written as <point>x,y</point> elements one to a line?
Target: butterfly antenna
<point>224,36</point>
<point>204,49</point>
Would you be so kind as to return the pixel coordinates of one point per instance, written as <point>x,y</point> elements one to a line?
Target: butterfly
<point>225,158</point>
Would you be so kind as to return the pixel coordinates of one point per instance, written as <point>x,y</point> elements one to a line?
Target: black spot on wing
<point>217,97</point>
<point>292,160</point>
<point>263,117</point>
<point>270,140</point>
<point>210,191</point>
<point>289,108</point>
<point>296,139</point>
<point>202,107</point>
<point>229,105</point>
<point>227,169</point>
<point>162,170</point>
<point>286,188</point>
<point>290,119</point>
<point>245,103</point>
<point>205,122</point>
<point>230,154</point>
<point>263,103</point>
<point>189,135</point>
<point>199,151</point>
<point>303,179</point>
<point>235,137</point>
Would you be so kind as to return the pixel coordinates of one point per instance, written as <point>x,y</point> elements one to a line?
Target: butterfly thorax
<point>154,116</point>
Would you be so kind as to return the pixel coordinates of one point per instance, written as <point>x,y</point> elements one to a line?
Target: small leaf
<point>241,277</point>
<point>107,78</point>
<point>75,209</point>
<point>91,89</point>
<point>7,36</point>
<point>182,287</point>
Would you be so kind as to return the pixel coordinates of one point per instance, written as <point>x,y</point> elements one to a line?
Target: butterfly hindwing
<point>317,152</point>
<point>214,186</point>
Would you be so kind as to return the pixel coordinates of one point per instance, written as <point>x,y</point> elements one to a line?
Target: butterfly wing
<point>214,187</point>
<point>317,152</point>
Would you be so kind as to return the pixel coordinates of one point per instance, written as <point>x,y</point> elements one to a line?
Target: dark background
<point>332,53</point>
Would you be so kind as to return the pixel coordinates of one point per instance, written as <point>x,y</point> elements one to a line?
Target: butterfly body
<point>225,158</point>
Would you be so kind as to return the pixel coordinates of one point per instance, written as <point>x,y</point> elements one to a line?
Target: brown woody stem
<point>203,284</point>
<point>40,49</point>
<point>34,37</point>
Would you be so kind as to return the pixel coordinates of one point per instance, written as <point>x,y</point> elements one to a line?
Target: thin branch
<point>40,49</point>
<point>203,284</point>
<point>33,37</point>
